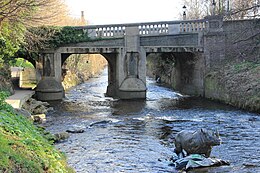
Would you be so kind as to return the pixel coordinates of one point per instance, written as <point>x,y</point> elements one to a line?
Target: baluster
<point>147,29</point>
<point>155,29</point>
<point>140,30</point>
<point>115,31</point>
<point>163,27</point>
<point>166,28</point>
<point>111,31</point>
<point>151,29</point>
<point>100,32</point>
<point>108,31</point>
<point>120,30</point>
<point>144,29</point>
<point>97,33</point>
<point>123,28</point>
<point>192,27</point>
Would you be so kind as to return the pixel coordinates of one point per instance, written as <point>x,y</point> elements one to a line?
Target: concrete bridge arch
<point>111,61</point>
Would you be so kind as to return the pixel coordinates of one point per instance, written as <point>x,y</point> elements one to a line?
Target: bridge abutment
<point>188,74</point>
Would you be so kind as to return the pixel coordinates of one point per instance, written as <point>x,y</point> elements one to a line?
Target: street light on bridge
<point>184,12</point>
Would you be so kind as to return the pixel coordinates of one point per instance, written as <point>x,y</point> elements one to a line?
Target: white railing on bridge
<point>147,29</point>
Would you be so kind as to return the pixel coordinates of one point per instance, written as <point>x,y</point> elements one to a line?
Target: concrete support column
<point>48,64</point>
<point>133,84</point>
<point>49,87</point>
<point>57,66</point>
<point>132,67</point>
<point>112,72</point>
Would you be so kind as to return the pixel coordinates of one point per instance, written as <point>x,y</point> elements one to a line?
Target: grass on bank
<point>25,147</point>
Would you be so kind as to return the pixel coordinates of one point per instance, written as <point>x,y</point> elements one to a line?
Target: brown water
<point>138,133</point>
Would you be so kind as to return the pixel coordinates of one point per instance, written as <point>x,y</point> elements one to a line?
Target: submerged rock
<point>76,129</point>
<point>40,118</point>
<point>62,136</point>
<point>100,123</point>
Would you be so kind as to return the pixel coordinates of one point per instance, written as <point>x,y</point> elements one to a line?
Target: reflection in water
<point>139,132</point>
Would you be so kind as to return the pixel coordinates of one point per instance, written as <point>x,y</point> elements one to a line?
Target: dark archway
<point>183,71</point>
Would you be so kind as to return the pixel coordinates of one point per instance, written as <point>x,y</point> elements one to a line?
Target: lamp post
<point>184,12</point>
<point>214,7</point>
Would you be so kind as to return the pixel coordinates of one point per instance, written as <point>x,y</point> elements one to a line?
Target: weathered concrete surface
<point>19,98</point>
<point>49,89</point>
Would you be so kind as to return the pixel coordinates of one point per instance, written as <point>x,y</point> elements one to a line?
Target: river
<point>137,134</point>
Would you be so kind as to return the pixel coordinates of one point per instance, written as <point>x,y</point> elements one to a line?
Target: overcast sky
<point>125,11</point>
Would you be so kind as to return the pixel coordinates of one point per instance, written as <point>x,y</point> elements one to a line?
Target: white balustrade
<point>146,29</point>
<point>110,31</point>
<point>193,26</point>
<point>153,29</point>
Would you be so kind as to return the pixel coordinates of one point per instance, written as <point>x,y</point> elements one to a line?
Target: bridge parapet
<point>147,29</point>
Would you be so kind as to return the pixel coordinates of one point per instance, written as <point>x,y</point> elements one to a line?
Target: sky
<point>125,11</point>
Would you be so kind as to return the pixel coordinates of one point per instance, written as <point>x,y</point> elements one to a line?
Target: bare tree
<point>244,9</point>
<point>230,9</point>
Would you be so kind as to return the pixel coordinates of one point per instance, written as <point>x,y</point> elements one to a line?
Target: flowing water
<point>135,136</point>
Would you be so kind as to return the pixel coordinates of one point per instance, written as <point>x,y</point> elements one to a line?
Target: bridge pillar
<point>132,67</point>
<point>112,74</point>
<point>132,83</point>
<point>49,87</point>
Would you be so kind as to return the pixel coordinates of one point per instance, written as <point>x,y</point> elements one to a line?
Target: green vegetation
<point>246,65</point>
<point>54,36</point>
<point>9,44</point>
<point>24,147</point>
<point>20,62</point>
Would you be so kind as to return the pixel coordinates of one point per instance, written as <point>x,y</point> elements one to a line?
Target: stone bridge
<point>125,46</point>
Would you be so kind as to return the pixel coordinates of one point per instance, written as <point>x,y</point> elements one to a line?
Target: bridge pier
<point>49,87</point>
<point>132,78</point>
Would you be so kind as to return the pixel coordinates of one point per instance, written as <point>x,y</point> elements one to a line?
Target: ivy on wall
<point>49,37</point>
<point>53,36</point>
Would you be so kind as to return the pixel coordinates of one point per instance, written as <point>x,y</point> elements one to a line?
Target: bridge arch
<point>111,62</point>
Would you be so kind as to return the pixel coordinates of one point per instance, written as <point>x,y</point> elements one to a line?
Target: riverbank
<point>236,84</point>
<point>26,147</point>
